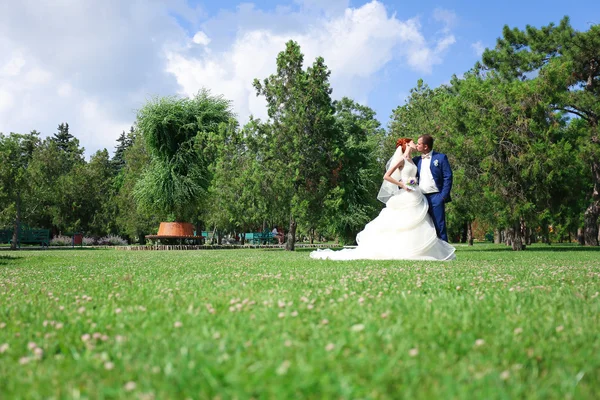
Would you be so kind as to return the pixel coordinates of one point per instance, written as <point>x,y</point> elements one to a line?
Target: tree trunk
<point>508,236</point>
<point>469,233</point>
<point>290,245</point>
<point>517,238</point>
<point>523,233</point>
<point>532,237</point>
<point>17,226</point>
<point>580,238</point>
<point>590,230</point>
<point>312,236</point>
<point>198,228</point>
<point>497,236</point>
<point>592,213</point>
<point>464,234</point>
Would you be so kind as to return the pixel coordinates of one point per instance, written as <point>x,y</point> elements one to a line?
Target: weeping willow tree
<point>178,133</point>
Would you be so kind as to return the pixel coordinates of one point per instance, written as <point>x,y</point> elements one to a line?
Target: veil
<point>388,189</point>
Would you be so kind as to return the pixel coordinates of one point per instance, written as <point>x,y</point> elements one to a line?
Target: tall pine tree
<point>565,64</point>
<point>302,136</point>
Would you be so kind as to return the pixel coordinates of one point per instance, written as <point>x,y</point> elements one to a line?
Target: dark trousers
<point>437,211</point>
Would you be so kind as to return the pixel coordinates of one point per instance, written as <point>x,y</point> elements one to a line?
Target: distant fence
<point>220,247</point>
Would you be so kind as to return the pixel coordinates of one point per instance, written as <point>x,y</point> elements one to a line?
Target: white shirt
<point>274,231</point>
<point>426,182</point>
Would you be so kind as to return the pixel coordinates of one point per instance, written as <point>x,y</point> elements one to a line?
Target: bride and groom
<point>412,226</point>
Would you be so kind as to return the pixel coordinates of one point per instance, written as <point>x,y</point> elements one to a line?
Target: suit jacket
<point>441,171</point>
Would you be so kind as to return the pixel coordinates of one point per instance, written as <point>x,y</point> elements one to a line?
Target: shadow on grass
<point>557,247</point>
<point>564,248</point>
<point>309,250</point>
<point>5,259</point>
<point>304,249</point>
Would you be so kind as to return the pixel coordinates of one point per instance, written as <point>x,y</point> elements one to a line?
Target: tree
<point>81,197</point>
<point>421,114</point>
<point>240,190</point>
<point>16,151</point>
<point>566,64</point>
<point>439,112</point>
<point>302,136</point>
<point>353,203</point>
<point>130,219</point>
<point>176,131</point>
<point>69,146</point>
<point>45,169</point>
<point>515,142</point>
<point>99,174</point>
<point>124,142</point>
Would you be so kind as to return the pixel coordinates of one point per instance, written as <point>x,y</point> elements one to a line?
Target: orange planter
<point>176,229</point>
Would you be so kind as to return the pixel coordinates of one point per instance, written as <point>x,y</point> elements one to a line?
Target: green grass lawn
<point>272,324</point>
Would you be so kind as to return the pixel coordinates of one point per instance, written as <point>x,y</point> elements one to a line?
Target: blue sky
<point>93,64</point>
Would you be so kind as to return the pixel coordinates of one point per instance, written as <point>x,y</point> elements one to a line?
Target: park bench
<point>26,235</point>
<point>258,237</point>
<point>208,236</point>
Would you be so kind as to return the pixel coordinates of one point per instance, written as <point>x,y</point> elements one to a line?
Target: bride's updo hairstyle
<point>403,142</point>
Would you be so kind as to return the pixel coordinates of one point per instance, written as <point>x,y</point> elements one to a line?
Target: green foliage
<point>80,196</point>
<point>241,194</point>
<point>124,142</point>
<point>514,152</point>
<point>16,151</point>
<point>520,130</point>
<point>172,188</point>
<point>302,140</point>
<point>565,66</point>
<point>176,132</point>
<point>48,170</point>
<point>167,123</point>
<point>68,145</point>
<point>353,203</point>
<point>129,219</point>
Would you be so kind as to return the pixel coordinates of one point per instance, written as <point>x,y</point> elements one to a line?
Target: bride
<point>403,230</point>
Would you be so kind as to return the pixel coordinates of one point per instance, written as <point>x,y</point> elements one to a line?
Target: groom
<point>435,180</point>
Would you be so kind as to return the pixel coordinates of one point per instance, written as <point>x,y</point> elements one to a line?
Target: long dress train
<point>402,231</point>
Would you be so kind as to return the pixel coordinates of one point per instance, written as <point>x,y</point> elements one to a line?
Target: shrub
<point>61,241</point>
<point>112,240</point>
<point>89,241</point>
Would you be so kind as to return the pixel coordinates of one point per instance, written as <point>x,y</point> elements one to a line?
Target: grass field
<point>272,324</point>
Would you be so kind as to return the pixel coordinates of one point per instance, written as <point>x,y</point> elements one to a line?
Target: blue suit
<point>442,175</point>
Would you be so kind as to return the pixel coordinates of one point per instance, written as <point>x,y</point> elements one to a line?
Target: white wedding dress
<point>402,231</point>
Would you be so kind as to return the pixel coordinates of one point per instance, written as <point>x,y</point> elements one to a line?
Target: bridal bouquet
<point>412,183</point>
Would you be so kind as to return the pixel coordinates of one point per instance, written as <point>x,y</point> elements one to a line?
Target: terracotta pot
<point>176,229</point>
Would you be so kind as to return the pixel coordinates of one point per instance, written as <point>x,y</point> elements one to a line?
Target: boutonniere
<point>436,163</point>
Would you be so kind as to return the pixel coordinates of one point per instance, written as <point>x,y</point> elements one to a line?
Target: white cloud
<point>6,100</point>
<point>478,48</point>
<point>59,56</point>
<point>201,39</point>
<point>356,43</point>
<point>64,90</point>
<point>14,65</point>
<point>447,17</point>
<point>92,64</point>
<point>444,43</point>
